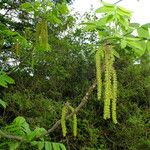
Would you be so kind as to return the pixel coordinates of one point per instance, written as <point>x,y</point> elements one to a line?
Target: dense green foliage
<point>36,84</point>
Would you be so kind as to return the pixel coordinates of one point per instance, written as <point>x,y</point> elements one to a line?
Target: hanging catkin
<point>42,36</point>
<point>107,83</point>
<point>74,122</point>
<point>110,85</point>
<point>114,95</point>
<point>63,121</point>
<point>98,73</point>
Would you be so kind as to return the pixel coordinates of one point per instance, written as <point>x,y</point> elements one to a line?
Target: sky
<point>140,8</point>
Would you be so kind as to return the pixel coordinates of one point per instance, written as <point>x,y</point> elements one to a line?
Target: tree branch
<point>118,1</point>
<point>14,137</point>
<point>83,102</point>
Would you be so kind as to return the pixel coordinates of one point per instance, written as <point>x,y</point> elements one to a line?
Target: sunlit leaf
<point>123,44</point>
<point>124,12</point>
<point>48,146</point>
<point>132,38</point>
<point>108,4</point>
<point>62,147</point>
<point>13,145</point>
<point>148,46</point>
<point>40,145</point>
<point>147,25</point>
<point>36,133</point>
<point>105,9</point>
<point>62,8</point>
<point>138,47</point>
<point>135,25</point>
<point>5,79</point>
<point>19,126</point>
<point>56,146</point>
<point>123,22</point>
<point>28,7</point>
<point>3,104</point>
<point>143,32</point>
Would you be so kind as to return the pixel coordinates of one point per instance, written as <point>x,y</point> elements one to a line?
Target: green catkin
<point>107,84</point>
<point>98,74</point>
<point>42,36</point>
<point>114,97</point>
<point>63,121</point>
<point>110,83</point>
<point>74,125</point>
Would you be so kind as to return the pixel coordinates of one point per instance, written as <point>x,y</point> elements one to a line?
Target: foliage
<point>20,127</point>
<point>5,79</point>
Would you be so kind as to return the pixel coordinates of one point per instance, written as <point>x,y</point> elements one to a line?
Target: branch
<point>115,2</point>
<point>14,137</point>
<point>118,1</point>
<point>83,102</point>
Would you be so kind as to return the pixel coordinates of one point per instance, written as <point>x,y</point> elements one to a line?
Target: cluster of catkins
<point>42,35</point>
<point>110,81</point>
<point>65,109</point>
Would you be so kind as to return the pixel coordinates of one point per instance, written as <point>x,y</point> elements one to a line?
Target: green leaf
<point>40,145</point>
<point>108,4</point>
<point>5,79</point>
<point>48,146</point>
<point>105,9</point>
<point>123,44</point>
<point>132,39</point>
<point>62,8</point>
<point>28,7</point>
<point>2,103</point>
<point>147,25</point>
<point>13,146</point>
<point>54,19</point>
<point>134,25</point>
<point>135,44</point>
<point>123,22</point>
<point>19,126</point>
<point>89,27</point>
<point>116,54</point>
<point>124,12</point>
<point>62,146</point>
<point>104,20</point>
<point>93,25</point>
<point>148,46</point>
<point>36,5</point>
<point>36,133</point>
<point>56,146</point>
<point>138,47</point>
<point>143,32</point>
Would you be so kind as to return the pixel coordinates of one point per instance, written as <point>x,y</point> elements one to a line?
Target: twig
<point>118,2</point>
<point>8,136</point>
